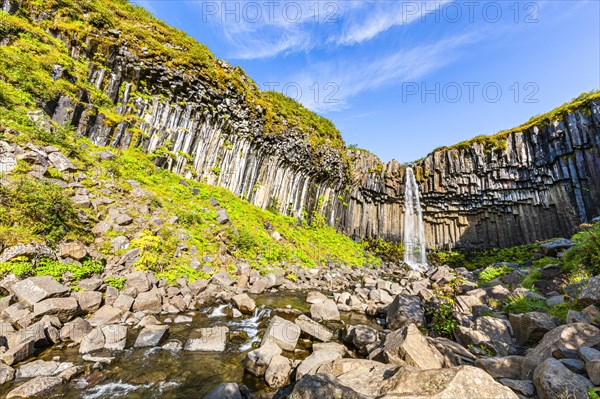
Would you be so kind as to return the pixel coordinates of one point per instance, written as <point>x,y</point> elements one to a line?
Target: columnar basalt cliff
<point>534,184</point>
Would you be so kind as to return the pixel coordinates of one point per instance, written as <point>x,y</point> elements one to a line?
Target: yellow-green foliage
<point>492,272</point>
<point>387,250</point>
<point>585,255</point>
<point>52,268</point>
<point>473,260</point>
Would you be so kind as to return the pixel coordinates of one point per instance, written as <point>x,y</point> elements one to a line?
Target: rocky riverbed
<point>350,333</point>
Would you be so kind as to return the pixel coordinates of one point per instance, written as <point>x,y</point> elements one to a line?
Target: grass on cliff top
<point>497,142</point>
<point>27,61</point>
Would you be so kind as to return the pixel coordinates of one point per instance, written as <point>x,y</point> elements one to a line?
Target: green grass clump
<point>584,256</point>
<point>53,268</point>
<point>561,310</point>
<point>473,260</point>
<point>117,282</point>
<point>524,304</point>
<point>492,272</point>
<point>442,319</point>
<point>531,278</point>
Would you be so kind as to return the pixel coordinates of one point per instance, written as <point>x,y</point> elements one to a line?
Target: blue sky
<point>401,78</point>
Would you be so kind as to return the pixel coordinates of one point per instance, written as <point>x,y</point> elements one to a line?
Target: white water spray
<point>415,255</point>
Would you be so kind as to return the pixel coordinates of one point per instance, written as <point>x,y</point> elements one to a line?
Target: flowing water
<point>415,255</point>
<point>147,373</point>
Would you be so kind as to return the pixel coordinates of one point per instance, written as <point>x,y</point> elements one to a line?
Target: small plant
<point>492,272</point>
<point>442,319</point>
<point>291,277</point>
<point>523,304</point>
<point>273,206</point>
<point>594,393</point>
<point>19,268</point>
<point>117,282</point>
<point>532,277</point>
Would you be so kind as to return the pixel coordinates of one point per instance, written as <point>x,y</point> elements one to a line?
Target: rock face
<point>531,184</point>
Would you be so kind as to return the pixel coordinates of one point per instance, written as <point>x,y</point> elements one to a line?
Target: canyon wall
<point>541,183</point>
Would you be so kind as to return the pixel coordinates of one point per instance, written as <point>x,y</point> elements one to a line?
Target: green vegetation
<point>492,272</point>
<point>473,260</point>
<point>594,393</point>
<point>524,304</point>
<point>442,319</point>
<point>387,250</point>
<point>52,268</point>
<point>585,255</point>
<point>531,278</point>
<point>560,311</point>
<point>117,282</point>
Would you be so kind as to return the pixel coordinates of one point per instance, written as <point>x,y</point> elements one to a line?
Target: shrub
<point>117,282</point>
<point>492,272</point>
<point>523,304</point>
<point>442,319</point>
<point>585,254</point>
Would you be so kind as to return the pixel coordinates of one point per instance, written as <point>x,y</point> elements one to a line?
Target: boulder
<point>588,354</point>
<point>530,328</point>
<point>41,368</point>
<point>75,330</point>
<point>7,373</point>
<point>223,279</point>
<point>244,303</point>
<point>222,216</point>
<point>409,346</point>
<point>501,367</point>
<point>150,302</point>
<point>36,387</point>
<point>553,380</point>
<point>259,359</point>
<point>92,341</point>
<point>278,372</point>
<point>569,337</point>
<point>33,250</point>
<point>315,297</point>
<point>405,309</point>
<point>314,329</point>
<point>324,311</point>
<point>554,247</point>
<point>61,162</point>
<point>590,295</point>
<point>139,280</point>
<point>315,360</point>
<point>361,337</point>
<point>35,289</point>
<point>522,387</point>
<point>283,333</point>
<point>593,370</point>
<point>89,301</point>
<point>228,390</point>
<point>322,386</point>
<point>63,308</point>
<point>123,302</point>
<point>105,315</point>
<point>210,339</point>
<point>152,335</point>
<point>74,250</point>
<point>115,337</point>
<point>19,351</point>
<point>491,332</point>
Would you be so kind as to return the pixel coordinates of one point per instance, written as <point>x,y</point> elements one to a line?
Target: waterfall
<point>415,255</point>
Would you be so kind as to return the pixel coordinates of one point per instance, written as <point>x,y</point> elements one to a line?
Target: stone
<point>150,302</point>
<point>7,373</point>
<point>223,279</point>
<point>105,315</point>
<point>492,332</point>
<point>98,359</point>
<point>63,308</point>
<point>315,297</point>
<point>590,295</point>
<point>138,280</point>
<point>593,370</point>
<point>553,380</point>
<point>405,309</point>
<point>115,337</point>
<point>106,155</point>
<point>123,302</point>
<point>61,162</point>
<point>575,365</point>
<point>19,352</point>
<point>36,387</point>
<point>553,247</point>
<point>152,335</point>
<point>123,220</point>
<point>322,386</point>
<point>278,372</point>
<point>75,330</point>
<point>71,373</point>
<point>324,311</point>
<point>89,301</point>
<point>258,360</point>
<point>282,332</point>
<point>74,250</point>
<point>81,201</point>
<point>222,216</point>
<point>522,387</point>
<point>566,337</point>
<point>229,390</point>
<point>244,303</point>
<point>501,367</point>
<point>361,337</point>
<point>119,243</point>
<point>315,360</point>
<point>530,328</point>
<point>35,289</point>
<point>259,286</point>
<point>409,346</point>
<point>92,341</point>
<point>588,354</point>
<point>41,368</point>
<point>211,339</point>
<point>314,329</point>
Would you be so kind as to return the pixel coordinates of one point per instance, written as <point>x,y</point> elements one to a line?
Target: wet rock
<point>409,346</point>
<point>151,335</point>
<point>553,380</point>
<point>74,250</point>
<point>404,310</point>
<point>258,360</point>
<point>229,390</point>
<point>244,303</point>
<point>530,328</point>
<point>591,293</point>
<point>313,328</point>
<point>35,289</point>
<point>41,368</point>
<point>212,339</point>
<point>278,372</point>
<point>36,387</point>
<point>324,311</point>
<point>115,336</point>
<point>282,332</point>
<point>566,337</point>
